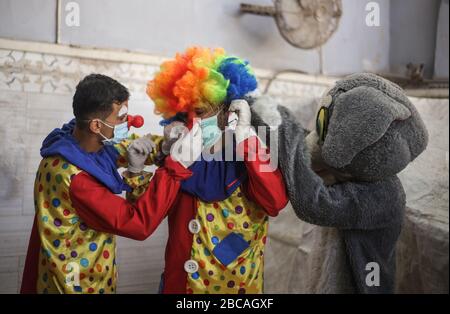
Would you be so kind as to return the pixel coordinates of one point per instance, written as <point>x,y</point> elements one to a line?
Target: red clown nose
<point>135,121</point>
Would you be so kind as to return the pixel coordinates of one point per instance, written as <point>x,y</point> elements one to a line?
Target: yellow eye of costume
<point>322,123</point>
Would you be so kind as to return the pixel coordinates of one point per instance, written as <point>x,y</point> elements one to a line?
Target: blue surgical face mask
<point>210,131</point>
<point>120,133</point>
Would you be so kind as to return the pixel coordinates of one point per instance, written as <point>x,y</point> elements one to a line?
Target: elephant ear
<point>359,118</point>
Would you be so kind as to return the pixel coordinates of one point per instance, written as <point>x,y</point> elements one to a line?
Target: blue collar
<point>214,180</point>
<point>102,165</point>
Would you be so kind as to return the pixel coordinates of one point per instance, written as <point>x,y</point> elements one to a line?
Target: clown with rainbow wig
<point>219,220</point>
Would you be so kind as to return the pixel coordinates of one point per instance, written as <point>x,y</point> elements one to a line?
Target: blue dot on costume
<point>93,246</point>
<point>206,252</point>
<point>56,243</point>
<point>48,177</point>
<point>225,213</point>
<point>84,262</point>
<point>242,270</point>
<point>56,202</point>
<point>74,220</point>
<point>195,275</point>
<point>65,165</point>
<point>45,218</point>
<point>77,289</point>
<point>109,240</point>
<point>215,240</point>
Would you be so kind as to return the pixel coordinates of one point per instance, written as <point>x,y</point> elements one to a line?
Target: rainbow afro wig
<point>199,77</point>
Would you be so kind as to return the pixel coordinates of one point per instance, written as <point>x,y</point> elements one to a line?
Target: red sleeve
<point>30,271</point>
<point>104,211</point>
<point>265,183</point>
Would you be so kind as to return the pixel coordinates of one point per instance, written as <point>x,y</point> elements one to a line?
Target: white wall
<point>164,27</point>
<point>441,59</point>
<point>413,34</point>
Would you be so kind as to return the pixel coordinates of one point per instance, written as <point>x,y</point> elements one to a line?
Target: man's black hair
<point>94,97</point>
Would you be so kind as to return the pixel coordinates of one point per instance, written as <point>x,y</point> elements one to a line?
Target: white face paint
<point>123,110</point>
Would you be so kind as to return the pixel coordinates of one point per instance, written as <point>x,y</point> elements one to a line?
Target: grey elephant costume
<point>374,132</point>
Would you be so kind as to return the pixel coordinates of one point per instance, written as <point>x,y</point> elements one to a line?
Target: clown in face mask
<point>114,128</point>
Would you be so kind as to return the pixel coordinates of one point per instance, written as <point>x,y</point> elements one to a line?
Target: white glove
<point>243,129</point>
<point>138,152</point>
<point>172,132</point>
<point>188,148</point>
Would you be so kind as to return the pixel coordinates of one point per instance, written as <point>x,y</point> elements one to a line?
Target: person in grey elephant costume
<point>344,175</point>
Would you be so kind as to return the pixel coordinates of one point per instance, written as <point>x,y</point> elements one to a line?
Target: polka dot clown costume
<point>218,223</point>
<point>72,247</point>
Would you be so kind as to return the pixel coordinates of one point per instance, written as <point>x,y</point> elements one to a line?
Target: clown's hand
<point>188,148</point>
<point>172,132</point>
<point>244,129</point>
<point>138,152</point>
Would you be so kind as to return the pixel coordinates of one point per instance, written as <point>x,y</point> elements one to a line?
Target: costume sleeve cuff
<point>176,169</point>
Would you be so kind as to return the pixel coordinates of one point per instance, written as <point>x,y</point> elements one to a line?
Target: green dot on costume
<point>58,178</point>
